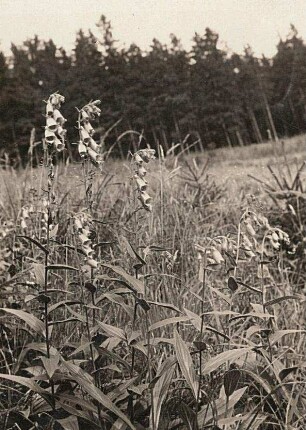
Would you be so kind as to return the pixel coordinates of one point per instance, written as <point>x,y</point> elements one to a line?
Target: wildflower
<point>54,131</point>
<point>83,225</point>
<point>141,156</point>
<point>88,147</point>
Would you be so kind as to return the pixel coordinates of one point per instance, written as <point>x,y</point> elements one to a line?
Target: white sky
<point>238,22</point>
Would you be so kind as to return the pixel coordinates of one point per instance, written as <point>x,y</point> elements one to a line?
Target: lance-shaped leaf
<point>134,283</point>
<point>27,382</point>
<point>33,322</point>
<point>39,272</point>
<point>60,267</point>
<point>160,391</point>
<point>50,364</point>
<point>95,392</point>
<point>185,361</point>
<point>217,361</point>
<point>112,331</point>
<point>35,242</point>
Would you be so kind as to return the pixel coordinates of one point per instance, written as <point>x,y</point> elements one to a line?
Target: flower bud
<point>216,256</point>
<point>250,229</point>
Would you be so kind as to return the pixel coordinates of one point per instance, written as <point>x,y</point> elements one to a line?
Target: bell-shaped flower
<point>78,223</point>
<point>92,263</point>
<point>59,145</point>
<point>49,135</point>
<point>61,131</point>
<point>51,124</point>
<point>88,251</point>
<point>216,256</point>
<point>97,158</point>
<point>142,172</point>
<point>94,146</point>
<point>84,136</point>
<point>82,149</point>
<point>84,116</point>
<point>84,239</point>
<point>145,200</point>
<point>58,117</point>
<point>89,128</point>
<point>141,184</point>
<point>147,154</point>
<point>138,159</point>
<point>56,99</point>
<point>49,109</point>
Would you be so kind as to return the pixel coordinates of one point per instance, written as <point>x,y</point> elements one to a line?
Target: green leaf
<point>230,381</point>
<point>209,412</point>
<point>136,285</point>
<point>53,232</point>
<point>167,321</point>
<point>277,335</point>
<point>196,322</point>
<point>160,389</point>
<point>232,284</point>
<point>130,250</point>
<point>285,372</point>
<point>27,382</point>
<point>280,299</point>
<point>186,364</point>
<point>69,423</point>
<point>95,392</point>
<point>50,364</point>
<point>63,303</point>
<point>35,242</point>
<point>112,331</point>
<point>214,362</point>
<point>33,322</point>
<point>61,267</point>
<point>165,305</point>
<point>39,272</point>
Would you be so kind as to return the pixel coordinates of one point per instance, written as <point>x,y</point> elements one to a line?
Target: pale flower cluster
<point>54,130</point>
<point>139,158</point>
<point>83,225</point>
<point>87,146</point>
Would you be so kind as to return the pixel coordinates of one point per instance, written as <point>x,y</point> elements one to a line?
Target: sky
<point>259,23</point>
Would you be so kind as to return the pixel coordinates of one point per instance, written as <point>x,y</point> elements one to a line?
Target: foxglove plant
<point>87,146</point>
<point>55,132</point>
<point>140,157</point>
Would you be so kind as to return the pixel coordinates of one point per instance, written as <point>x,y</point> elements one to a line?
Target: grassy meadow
<point>164,293</point>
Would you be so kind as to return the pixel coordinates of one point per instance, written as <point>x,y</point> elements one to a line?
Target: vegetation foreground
<point>154,293</point>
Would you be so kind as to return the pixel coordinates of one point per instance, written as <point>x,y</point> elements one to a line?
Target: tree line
<point>207,97</point>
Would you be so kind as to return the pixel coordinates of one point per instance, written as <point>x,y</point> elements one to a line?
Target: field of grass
<point>171,302</point>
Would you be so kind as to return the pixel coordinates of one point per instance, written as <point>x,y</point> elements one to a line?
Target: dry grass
<point>161,334</point>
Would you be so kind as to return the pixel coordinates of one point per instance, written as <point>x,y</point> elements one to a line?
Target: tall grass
<point>152,295</point>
